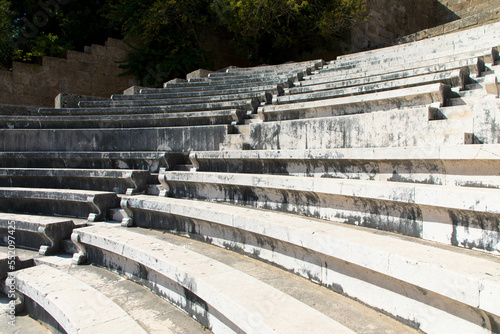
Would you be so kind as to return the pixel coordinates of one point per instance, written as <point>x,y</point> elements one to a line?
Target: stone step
<point>151,161</point>
<point>386,72</point>
<point>414,285</point>
<point>261,97</point>
<point>13,258</point>
<point>461,165</point>
<point>92,205</point>
<point>185,167</point>
<point>236,138</point>
<point>488,56</point>
<point>375,129</point>
<point>211,117</point>
<point>220,297</point>
<point>235,79</point>
<point>66,299</point>
<point>334,305</point>
<point>248,104</point>
<point>117,180</point>
<point>352,201</point>
<point>488,52</point>
<point>462,39</point>
<point>392,99</point>
<point>11,324</point>
<point>114,140</point>
<point>41,233</point>
<point>149,310</point>
<point>269,89</point>
<point>267,82</point>
<point>276,68</point>
<point>234,146</point>
<point>242,129</point>
<point>20,110</point>
<point>455,78</point>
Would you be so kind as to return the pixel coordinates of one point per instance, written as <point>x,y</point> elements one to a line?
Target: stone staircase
<point>359,195</point>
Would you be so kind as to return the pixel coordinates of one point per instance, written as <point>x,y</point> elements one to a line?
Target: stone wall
<point>452,16</point>
<point>406,20</point>
<point>450,10</point>
<point>94,72</point>
<point>390,19</point>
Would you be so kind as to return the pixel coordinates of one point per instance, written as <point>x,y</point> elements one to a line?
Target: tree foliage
<point>165,36</point>
<point>6,34</point>
<point>165,33</point>
<point>35,28</point>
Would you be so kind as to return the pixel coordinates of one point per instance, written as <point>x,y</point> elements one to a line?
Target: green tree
<point>164,34</point>
<point>32,29</point>
<point>6,34</point>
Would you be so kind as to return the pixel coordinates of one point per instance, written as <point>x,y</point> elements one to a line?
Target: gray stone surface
<point>116,180</point>
<point>233,300</point>
<point>248,104</point>
<point>483,36</point>
<point>270,89</point>
<point>146,160</point>
<point>216,87</point>
<point>425,95</point>
<point>261,97</point>
<point>318,249</point>
<point>383,66</point>
<point>35,232</point>
<point>212,117</point>
<point>456,78</point>
<point>407,127</point>
<point>65,100</point>
<point>473,66</point>
<point>84,310</point>
<point>114,140</point>
<point>67,202</point>
<point>400,207</point>
<point>460,165</point>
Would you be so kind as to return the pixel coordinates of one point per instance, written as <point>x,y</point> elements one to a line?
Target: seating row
<point>486,56</point>
<point>118,180</point>
<point>41,233</point>
<point>232,301</point>
<point>104,120</point>
<point>474,66</point>
<point>84,310</point>
<point>451,43</point>
<point>170,139</point>
<point>257,89</point>
<point>143,160</point>
<point>88,204</point>
<point>460,165</point>
<point>385,271</point>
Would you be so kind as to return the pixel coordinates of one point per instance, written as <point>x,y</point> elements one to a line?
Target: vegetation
<point>165,33</point>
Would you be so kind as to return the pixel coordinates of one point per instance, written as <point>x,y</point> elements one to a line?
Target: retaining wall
<point>94,73</point>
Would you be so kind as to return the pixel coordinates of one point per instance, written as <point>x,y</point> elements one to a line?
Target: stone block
<point>113,140</point>
<point>213,282</point>
<point>212,117</point>
<point>92,205</point>
<point>132,90</point>
<point>49,288</point>
<point>200,73</point>
<point>65,100</point>
<point>403,263</point>
<point>116,180</point>
<point>43,234</point>
<point>147,160</point>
